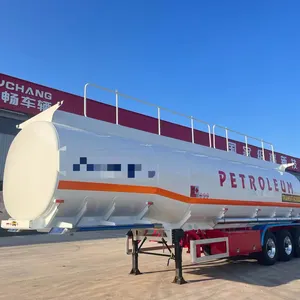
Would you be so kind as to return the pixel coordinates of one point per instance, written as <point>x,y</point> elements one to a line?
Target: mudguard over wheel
<point>285,245</point>
<point>269,253</point>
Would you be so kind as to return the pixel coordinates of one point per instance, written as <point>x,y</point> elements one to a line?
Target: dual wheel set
<point>281,245</point>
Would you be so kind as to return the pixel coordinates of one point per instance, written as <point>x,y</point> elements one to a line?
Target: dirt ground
<point>95,266</point>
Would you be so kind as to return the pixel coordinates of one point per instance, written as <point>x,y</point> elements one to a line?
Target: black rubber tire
<point>296,241</point>
<point>264,258</point>
<point>282,254</point>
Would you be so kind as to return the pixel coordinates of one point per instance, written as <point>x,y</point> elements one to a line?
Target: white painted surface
<point>33,166</point>
<point>31,175</point>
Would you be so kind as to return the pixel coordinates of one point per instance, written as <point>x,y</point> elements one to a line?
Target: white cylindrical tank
<point>64,170</point>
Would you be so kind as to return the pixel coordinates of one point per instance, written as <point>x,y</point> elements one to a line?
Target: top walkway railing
<point>211,134</point>
<point>246,137</point>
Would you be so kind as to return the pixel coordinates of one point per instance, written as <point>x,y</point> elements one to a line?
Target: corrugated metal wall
<point>5,141</point>
<point>8,130</point>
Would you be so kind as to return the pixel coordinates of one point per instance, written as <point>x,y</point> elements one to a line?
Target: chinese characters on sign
<point>246,151</point>
<point>294,161</point>
<point>232,146</point>
<point>240,148</point>
<point>260,154</point>
<point>29,97</point>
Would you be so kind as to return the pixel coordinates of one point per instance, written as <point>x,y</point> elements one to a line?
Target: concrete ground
<point>94,266</point>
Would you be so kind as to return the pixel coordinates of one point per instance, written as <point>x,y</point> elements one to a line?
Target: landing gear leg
<point>177,235</point>
<point>135,255</point>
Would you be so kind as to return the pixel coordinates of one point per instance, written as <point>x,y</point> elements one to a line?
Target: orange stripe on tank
<point>123,188</point>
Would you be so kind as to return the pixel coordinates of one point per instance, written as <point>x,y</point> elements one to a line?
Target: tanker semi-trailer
<point>66,172</point>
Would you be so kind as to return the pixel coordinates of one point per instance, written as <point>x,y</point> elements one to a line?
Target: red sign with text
<point>31,98</point>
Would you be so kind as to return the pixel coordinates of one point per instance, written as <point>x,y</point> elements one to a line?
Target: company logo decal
<point>24,95</point>
<point>131,168</point>
<point>195,192</point>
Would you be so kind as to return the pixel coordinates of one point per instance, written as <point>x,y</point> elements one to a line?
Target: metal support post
<point>135,255</point>
<point>177,235</point>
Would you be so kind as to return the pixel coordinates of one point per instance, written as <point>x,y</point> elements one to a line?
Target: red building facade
<point>24,98</point>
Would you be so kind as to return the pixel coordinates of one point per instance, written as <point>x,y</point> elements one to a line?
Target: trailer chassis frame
<point>203,245</point>
<point>177,236</point>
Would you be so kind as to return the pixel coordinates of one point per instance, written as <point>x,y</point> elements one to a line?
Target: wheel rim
<point>288,247</point>
<point>271,248</point>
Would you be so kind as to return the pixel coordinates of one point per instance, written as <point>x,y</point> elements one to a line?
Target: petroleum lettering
<point>283,188</point>
<point>269,187</point>
<point>233,180</point>
<point>254,183</point>
<point>276,185</point>
<point>261,183</point>
<point>290,188</point>
<point>222,176</point>
<point>242,176</point>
